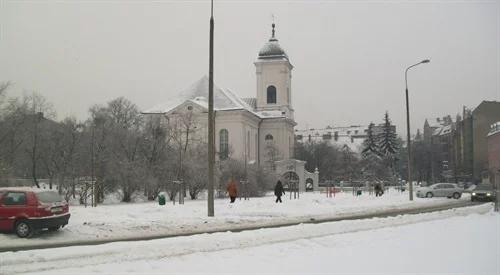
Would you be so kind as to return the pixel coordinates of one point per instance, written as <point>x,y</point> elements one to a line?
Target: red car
<point>28,210</point>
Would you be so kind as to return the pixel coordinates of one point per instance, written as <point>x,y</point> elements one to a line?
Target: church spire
<point>273,29</point>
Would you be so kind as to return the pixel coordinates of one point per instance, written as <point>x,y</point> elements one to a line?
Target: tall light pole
<point>211,120</point>
<point>408,127</point>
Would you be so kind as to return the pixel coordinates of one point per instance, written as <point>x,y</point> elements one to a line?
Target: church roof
<point>272,49</point>
<point>224,100</point>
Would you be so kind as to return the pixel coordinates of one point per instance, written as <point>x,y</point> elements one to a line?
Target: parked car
<point>28,210</point>
<point>483,192</point>
<point>449,190</point>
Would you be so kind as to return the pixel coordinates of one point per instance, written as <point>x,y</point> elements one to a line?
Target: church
<point>257,130</point>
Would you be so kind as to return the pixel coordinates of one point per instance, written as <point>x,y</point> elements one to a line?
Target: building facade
<point>459,148</point>
<point>351,136</point>
<point>494,153</point>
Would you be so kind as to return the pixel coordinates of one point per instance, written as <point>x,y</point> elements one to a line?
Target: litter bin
<point>358,193</point>
<point>161,199</point>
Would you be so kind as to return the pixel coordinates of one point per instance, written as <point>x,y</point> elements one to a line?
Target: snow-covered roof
<point>251,101</point>
<point>350,136</point>
<point>198,93</point>
<point>272,49</point>
<point>494,129</point>
<point>24,189</point>
<point>224,100</point>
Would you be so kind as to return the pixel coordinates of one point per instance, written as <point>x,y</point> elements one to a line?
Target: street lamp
<point>211,117</point>
<point>408,127</point>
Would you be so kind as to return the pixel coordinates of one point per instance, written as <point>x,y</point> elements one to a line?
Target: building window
<point>269,137</point>
<point>223,144</point>
<point>271,95</point>
<point>327,136</point>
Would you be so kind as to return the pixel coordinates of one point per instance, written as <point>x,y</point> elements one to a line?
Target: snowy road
<point>440,242</point>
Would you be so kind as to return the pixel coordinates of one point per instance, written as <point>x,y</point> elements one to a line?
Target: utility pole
<point>211,120</point>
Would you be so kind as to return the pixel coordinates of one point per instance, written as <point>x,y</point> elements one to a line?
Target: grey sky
<point>349,57</point>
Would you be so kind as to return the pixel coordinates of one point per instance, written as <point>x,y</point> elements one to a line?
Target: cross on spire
<point>272,15</point>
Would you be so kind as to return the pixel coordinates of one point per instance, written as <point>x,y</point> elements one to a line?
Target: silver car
<point>449,190</point>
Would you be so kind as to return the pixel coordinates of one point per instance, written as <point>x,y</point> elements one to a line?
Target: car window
<point>440,186</point>
<point>451,186</point>
<point>49,196</point>
<point>15,198</point>
<point>484,187</point>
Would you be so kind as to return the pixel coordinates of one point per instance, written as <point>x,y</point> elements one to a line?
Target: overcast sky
<point>349,56</point>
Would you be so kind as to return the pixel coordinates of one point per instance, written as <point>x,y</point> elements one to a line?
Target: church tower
<point>274,78</point>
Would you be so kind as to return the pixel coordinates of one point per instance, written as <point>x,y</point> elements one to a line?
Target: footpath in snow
<point>458,241</point>
<point>107,222</point>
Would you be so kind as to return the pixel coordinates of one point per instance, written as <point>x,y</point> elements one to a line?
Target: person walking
<point>279,191</point>
<point>378,190</point>
<point>232,190</point>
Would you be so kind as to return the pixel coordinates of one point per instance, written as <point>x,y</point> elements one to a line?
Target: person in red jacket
<point>232,190</point>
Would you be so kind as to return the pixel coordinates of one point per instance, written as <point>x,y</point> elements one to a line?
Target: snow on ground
<point>457,241</point>
<point>149,218</point>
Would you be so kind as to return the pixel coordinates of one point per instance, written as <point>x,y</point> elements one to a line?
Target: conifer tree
<point>387,139</point>
<point>370,145</point>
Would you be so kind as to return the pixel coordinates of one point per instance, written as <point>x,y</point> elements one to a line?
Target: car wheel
<point>429,195</point>
<point>55,228</point>
<point>456,196</point>
<point>23,229</point>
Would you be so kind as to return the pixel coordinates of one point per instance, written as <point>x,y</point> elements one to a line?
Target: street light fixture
<point>408,127</point>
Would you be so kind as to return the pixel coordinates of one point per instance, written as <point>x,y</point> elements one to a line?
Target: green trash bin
<point>161,199</point>
<point>358,193</point>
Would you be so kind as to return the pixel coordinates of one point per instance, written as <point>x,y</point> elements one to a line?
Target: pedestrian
<point>232,190</point>
<point>378,190</point>
<point>279,191</point>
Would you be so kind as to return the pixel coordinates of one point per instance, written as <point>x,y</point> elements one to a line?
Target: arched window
<point>269,137</point>
<point>223,144</point>
<point>271,95</point>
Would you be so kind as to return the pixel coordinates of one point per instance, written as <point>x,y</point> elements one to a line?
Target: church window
<point>269,137</point>
<point>223,144</point>
<point>271,95</point>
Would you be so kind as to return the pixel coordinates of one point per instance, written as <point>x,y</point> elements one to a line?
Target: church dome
<point>272,49</point>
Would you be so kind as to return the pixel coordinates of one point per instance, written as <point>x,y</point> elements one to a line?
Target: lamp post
<point>211,118</point>
<point>408,127</point>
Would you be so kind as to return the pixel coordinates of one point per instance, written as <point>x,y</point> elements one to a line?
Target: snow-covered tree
<point>387,139</point>
<point>370,145</point>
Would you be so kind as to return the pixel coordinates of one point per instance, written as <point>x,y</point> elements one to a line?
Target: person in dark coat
<point>378,190</point>
<point>279,191</point>
<point>232,190</point>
